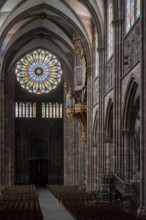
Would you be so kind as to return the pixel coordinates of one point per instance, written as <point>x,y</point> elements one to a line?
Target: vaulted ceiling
<point>28,24</point>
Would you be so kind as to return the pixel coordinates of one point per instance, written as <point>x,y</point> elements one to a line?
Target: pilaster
<point>2,143</point>
<point>68,150</point>
<point>109,155</point>
<point>128,136</point>
<point>118,65</point>
<point>100,134</point>
<point>9,130</point>
<point>88,147</point>
<point>142,208</point>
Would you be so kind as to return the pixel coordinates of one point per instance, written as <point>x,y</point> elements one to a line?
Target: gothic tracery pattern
<point>39,72</point>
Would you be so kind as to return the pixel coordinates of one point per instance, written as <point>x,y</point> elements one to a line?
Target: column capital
<point>127,132</point>
<point>100,49</point>
<point>117,22</point>
<point>109,140</point>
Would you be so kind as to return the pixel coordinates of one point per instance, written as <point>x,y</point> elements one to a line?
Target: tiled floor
<point>51,208</point>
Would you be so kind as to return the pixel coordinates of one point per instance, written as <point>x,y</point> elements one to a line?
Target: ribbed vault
<point>48,24</point>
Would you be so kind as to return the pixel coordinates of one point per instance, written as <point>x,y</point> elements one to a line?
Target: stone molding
<point>117,22</point>
<point>127,132</point>
<point>108,140</point>
<point>100,49</point>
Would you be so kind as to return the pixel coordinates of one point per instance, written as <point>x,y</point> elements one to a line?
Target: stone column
<point>128,136</point>
<point>142,208</point>
<point>94,169</point>
<point>2,145</point>
<point>118,65</point>
<point>76,154</point>
<point>109,155</point>
<point>81,161</point>
<point>100,130</point>
<point>9,129</point>
<point>88,151</point>
<point>68,150</point>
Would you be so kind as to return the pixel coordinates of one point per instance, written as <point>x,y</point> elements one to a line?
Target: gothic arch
<point>131,99</point>
<point>109,119</point>
<point>95,126</point>
<point>131,131</point>
<point>108,169</point>
<point>95,151</point>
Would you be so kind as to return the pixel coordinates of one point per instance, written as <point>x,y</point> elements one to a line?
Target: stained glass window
<point>60,110</point>
<point>50,110</point>
<point>132,12</point>
<point>25,110</point>
<point>51,114</point>
<point>57,110</point>
<point>54,110</point>
<point>16,109</point>
<point>47,110</point>
<point>43,110</point>
<point>20,109</point>
<point>138,8</point>
<point>30,110</point>
<point>39,72</point>
<point>34,110</point>
<point>110,30</point>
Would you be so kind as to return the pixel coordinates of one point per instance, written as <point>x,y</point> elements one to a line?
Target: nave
<point>25,202</point>
<point>73,101</point>
<point>57,202</point>
<point>51,208</point>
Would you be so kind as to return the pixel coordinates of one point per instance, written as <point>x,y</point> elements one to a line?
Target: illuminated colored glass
<point>128,15</point>
<point>16,110</point>
<point>51,111</point>
<point>54,111</point>
<point>43,110</point>
<point>23,110</point>
<point>57,110</point>
<point>47,110</point>
<point>34,110</point>
<point>138,2</point>
<point>132,12</point>
<point>39,72</point>
<point>20,109</point>
<point>110,30</point>
<point>60,110</point>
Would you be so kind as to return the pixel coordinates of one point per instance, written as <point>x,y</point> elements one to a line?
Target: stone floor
<point>51,208</point>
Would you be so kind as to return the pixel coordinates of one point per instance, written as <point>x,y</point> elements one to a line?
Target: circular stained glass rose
<point>39,72</point>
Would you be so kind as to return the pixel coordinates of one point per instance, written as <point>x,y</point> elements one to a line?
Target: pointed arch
<point>108,145</point>
<point>95,126</point>
<point>131,130</point>
<point>132,96</point>
<point>109,119</point>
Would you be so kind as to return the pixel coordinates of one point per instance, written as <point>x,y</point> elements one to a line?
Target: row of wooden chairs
<point>20,202</point>
<point>88,209</point>
<point>71,193</point>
